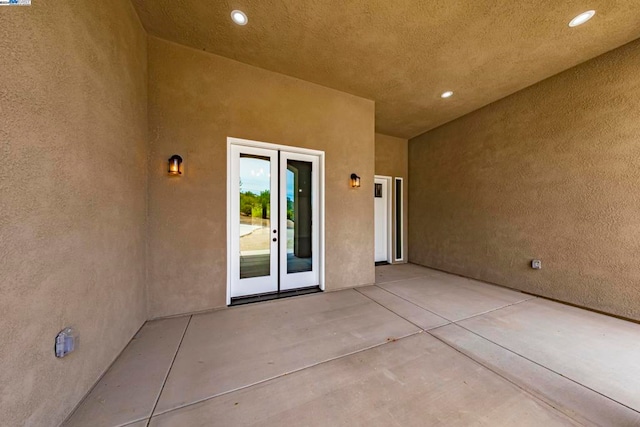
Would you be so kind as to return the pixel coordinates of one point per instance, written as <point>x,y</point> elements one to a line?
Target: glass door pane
<point>255,216</point>
<point>299,216</point>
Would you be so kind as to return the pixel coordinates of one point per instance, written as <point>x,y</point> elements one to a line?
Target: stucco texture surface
<point>403,53</point>
<point>549,173</point>
<point>392,159</point>
<point>73,141</point>
<point>197,100</point>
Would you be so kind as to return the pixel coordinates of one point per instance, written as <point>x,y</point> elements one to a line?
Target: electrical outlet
<point>536,264</point>
<point>66,342</point>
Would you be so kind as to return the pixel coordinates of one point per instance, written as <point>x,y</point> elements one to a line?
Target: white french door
<point>254,232</point>
<point>299,202</point>
<point>382,215</point>
<point>274,221</point>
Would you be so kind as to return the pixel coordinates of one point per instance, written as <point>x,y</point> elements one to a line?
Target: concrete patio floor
<point>421,347</point>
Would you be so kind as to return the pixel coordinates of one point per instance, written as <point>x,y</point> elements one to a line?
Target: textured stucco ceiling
<point>402,53</point>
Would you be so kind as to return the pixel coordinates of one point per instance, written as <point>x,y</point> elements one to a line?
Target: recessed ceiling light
<point>582,18</point>
<point>239,17</point>
<point>447,94</point>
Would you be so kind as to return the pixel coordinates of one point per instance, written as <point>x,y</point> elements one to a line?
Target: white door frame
<point>389,216</point>
<point>265,145</point>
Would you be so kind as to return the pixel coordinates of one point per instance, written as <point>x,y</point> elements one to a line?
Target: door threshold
<point>274,295</point>
<point>382,263</point>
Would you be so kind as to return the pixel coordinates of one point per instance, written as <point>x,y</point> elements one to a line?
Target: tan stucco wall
<point>551,172</point>
<point>392,159</point>
<point>73,141</point>
<point>197,100</point>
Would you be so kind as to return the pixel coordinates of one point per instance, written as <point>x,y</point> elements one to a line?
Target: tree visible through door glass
<point>255,216</point>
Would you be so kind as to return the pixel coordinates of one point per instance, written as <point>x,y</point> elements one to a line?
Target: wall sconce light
<point>355,181</point>
<point>175,165</point>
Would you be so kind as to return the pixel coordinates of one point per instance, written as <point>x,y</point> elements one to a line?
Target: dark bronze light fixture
<point>175,165</point>
<point>355,181</point>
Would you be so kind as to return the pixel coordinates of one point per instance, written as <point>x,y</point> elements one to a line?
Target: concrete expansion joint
<point>175,355</point>
<point>389,340</point>
<point>492,310</point>
<point>457,322</point>
<point>396,281</point>
<point>539,396</point>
